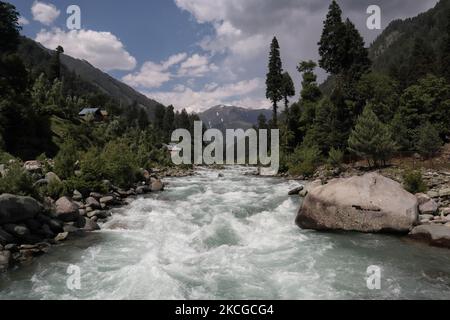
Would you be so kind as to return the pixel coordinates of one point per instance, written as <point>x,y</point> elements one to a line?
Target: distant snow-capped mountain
<point>231,117</point>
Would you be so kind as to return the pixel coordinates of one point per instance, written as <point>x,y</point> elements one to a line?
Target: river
<point>233,237</point>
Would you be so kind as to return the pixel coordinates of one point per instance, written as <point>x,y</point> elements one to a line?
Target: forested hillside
<point>40,102</point>
<point>393,99</point>
<point>408,49</point>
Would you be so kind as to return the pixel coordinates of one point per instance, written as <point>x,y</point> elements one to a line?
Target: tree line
<point>367,114</point>
<point>39,105</point>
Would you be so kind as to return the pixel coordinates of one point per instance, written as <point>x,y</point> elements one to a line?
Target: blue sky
<point>197,53</point>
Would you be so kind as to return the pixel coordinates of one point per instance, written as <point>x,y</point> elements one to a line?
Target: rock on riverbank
<point>29,228</point>
<point>368,203</point>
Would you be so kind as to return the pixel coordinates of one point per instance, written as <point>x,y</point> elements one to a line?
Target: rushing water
<point>228,238</point>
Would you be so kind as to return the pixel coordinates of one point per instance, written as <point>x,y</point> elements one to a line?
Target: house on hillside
<point>96,114</point>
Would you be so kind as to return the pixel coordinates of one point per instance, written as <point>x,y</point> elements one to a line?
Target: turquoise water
<point>228,238</point>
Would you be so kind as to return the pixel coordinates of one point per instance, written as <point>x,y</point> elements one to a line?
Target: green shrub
<point>18,181</point>
<point>65,160</point>
<point>119,164</point>
<point>305,161</point>
<point>56,189</point>
<point>91,174</point>
<point>336,158</point>
<point>413,182</point>
<point>428,143</point>
<point>5,157</point>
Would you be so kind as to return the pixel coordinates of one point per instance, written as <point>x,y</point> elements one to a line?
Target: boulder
<point>303,193</point>
<point>46,232</point>
<point>314,184</point>
<point>93,203</point>
<point>429,207</point>
<point>444,193</point>
<point>52,177</point>
<point>143,189</point>
<point>433,194</point>
<point>3,170</point>
<point>61,236</point>
<point>90,225</point>
<point>445,211</point>
<point>77,196</point>
<point>5,259</point>
<point>17,230</point>
<point>33,224</point>
<point>157,185</point>
<point>40,183</point>
<point>107,200</point>
<point>369,203</point>
<point>296,191</point>
<point>71,229</point>
<point>434,234</point>
<point>33,166</point>
<point>6,238</point>
<point>428,217</point>
<point>422,198</point>
<point>55,225</point>
<point>98,213</point>
<point>15,209</point>
<point>66,210</point>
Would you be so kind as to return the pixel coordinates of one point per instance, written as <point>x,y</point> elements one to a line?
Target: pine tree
<point>421,61</point>
<point>309,97</point>
<point>168,122</point>
<point>288,90</point>
<point>262,122</point>
<point>429,142</point>
<point>445,52</point>
<point>371,139</point>
<point>356,60</point>
<point>9,27</point>
<point>55,64</point>
<point>160,112</point>
<point>310,89</point>
<point>274,80</point>
<point>332,45</point>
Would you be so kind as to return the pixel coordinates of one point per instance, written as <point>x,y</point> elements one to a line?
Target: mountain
<point>230,117</point>
<point>392,52</point>
<point>395,45</point>
<point>90,79</point>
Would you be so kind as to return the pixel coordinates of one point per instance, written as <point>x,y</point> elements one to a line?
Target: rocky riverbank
<point>432,208</point>
<point>29,228</point>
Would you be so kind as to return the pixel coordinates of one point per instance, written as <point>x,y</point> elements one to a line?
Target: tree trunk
<point>275,115</point>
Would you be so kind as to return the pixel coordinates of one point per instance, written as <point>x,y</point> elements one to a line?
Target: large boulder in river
<point>436,235</point>
<point>15,208</point>
<point>369,203</point>
<point>66,210</point>
<point>157,185</point>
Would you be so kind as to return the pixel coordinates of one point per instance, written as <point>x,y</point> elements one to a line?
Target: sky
<point>196,54</point>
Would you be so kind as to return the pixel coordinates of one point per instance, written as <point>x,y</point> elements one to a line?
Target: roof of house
<point>87,111</point>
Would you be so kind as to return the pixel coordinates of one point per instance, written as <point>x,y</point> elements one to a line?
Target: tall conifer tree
<point>274,80</point>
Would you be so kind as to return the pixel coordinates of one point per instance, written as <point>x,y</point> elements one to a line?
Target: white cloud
<point>102,49</point>
<point>23,21</point>
<point>151,75</point>
<point>246,91</point>
<point>243,30</point>
<point>45,13</point>
<point>196,66</point>
<point>154,75</point>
